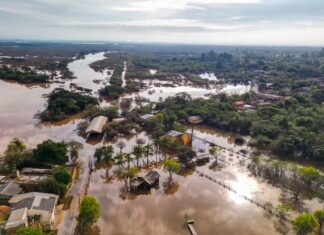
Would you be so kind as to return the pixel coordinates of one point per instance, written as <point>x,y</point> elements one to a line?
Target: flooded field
<point>162,210</point>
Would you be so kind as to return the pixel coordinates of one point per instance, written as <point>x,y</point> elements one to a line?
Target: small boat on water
<point>191,228</point>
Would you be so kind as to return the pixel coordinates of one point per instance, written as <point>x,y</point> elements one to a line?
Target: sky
<point>221,22</point>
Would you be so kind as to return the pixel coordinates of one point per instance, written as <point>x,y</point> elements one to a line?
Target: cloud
<point>159,24</point>
<point>156,5</point>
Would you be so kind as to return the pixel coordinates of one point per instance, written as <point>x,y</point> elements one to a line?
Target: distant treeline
<point>22,75</point>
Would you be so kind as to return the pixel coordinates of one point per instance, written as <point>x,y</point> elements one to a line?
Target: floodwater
<point>162,210</point>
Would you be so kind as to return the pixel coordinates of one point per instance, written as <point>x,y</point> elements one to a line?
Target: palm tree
<point>138,152</point>
<point>214,151</point>
<point>129,174</point>
<point>156,144</point>
<point>119,158</point>
<point>121,145</point>
<point>148,150</point>
<point>128,158</point>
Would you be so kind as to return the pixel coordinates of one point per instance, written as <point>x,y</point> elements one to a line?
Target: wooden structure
<point>144,183</point>
<point>195,119</point>
<point>191,228</point>
<point>202,159</point>
<point>96,125</point>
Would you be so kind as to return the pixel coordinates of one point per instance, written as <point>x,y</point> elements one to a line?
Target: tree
<point>319,216</point>
<point>121,145</point>
<point>129,174</point>
<point>29,231</point>
<point>304,224</point>
<point>148,150</point>
<point>74,147</point>
<point>15,153</point>
<point>89,212</point>
<point>213,151</point>
<point>138,152</point>
<point>50,152</point>
<point>62,175</point>
<point>171,166</point>
<point>105,153</point>
<point>51,185</point>
<point>128,158</point>
<point>119,158</point>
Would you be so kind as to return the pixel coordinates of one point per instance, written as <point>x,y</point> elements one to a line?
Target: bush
<point>89,212</point>
<point>62,175</point>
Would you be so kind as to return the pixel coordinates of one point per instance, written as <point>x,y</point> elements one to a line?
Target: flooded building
<point>179,137</point>
<point>202,159</point>
<point>96,125</point>
<point>144,183</point>
<point>195,119</point>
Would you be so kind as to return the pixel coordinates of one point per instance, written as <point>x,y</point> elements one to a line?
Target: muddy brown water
<point>161,210</point>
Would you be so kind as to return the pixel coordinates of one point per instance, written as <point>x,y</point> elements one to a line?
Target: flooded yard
<point>161,210</point>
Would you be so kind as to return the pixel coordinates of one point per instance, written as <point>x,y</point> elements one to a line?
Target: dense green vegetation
<point>23,75</point>
<point>293,127</point>
<point>240,65</point>
<point>63,103</point>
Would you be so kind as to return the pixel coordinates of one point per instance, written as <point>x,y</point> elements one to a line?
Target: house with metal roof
<point>40,207</point>
<point>182,138</point>
<point>96,126</point>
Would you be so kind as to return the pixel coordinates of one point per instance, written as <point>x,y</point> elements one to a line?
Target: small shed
<point>152,178</point>
<point>145,183</point>
<point>96,125</point>
<point>195,119</point>
<point>202,159</point>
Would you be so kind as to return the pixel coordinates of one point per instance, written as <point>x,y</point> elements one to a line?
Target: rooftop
<point>17,218</point>
<point>34,201</point>
<point>10,189</point>
<point>173,133</point>
<point>96,125</point>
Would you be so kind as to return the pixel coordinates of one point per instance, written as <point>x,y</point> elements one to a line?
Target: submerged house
<point>195,119</point>
<point>202,159</point>
<point>96,126</point>
<point>150,180</point>
<point>179,137</point>
<point>40,208</point>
